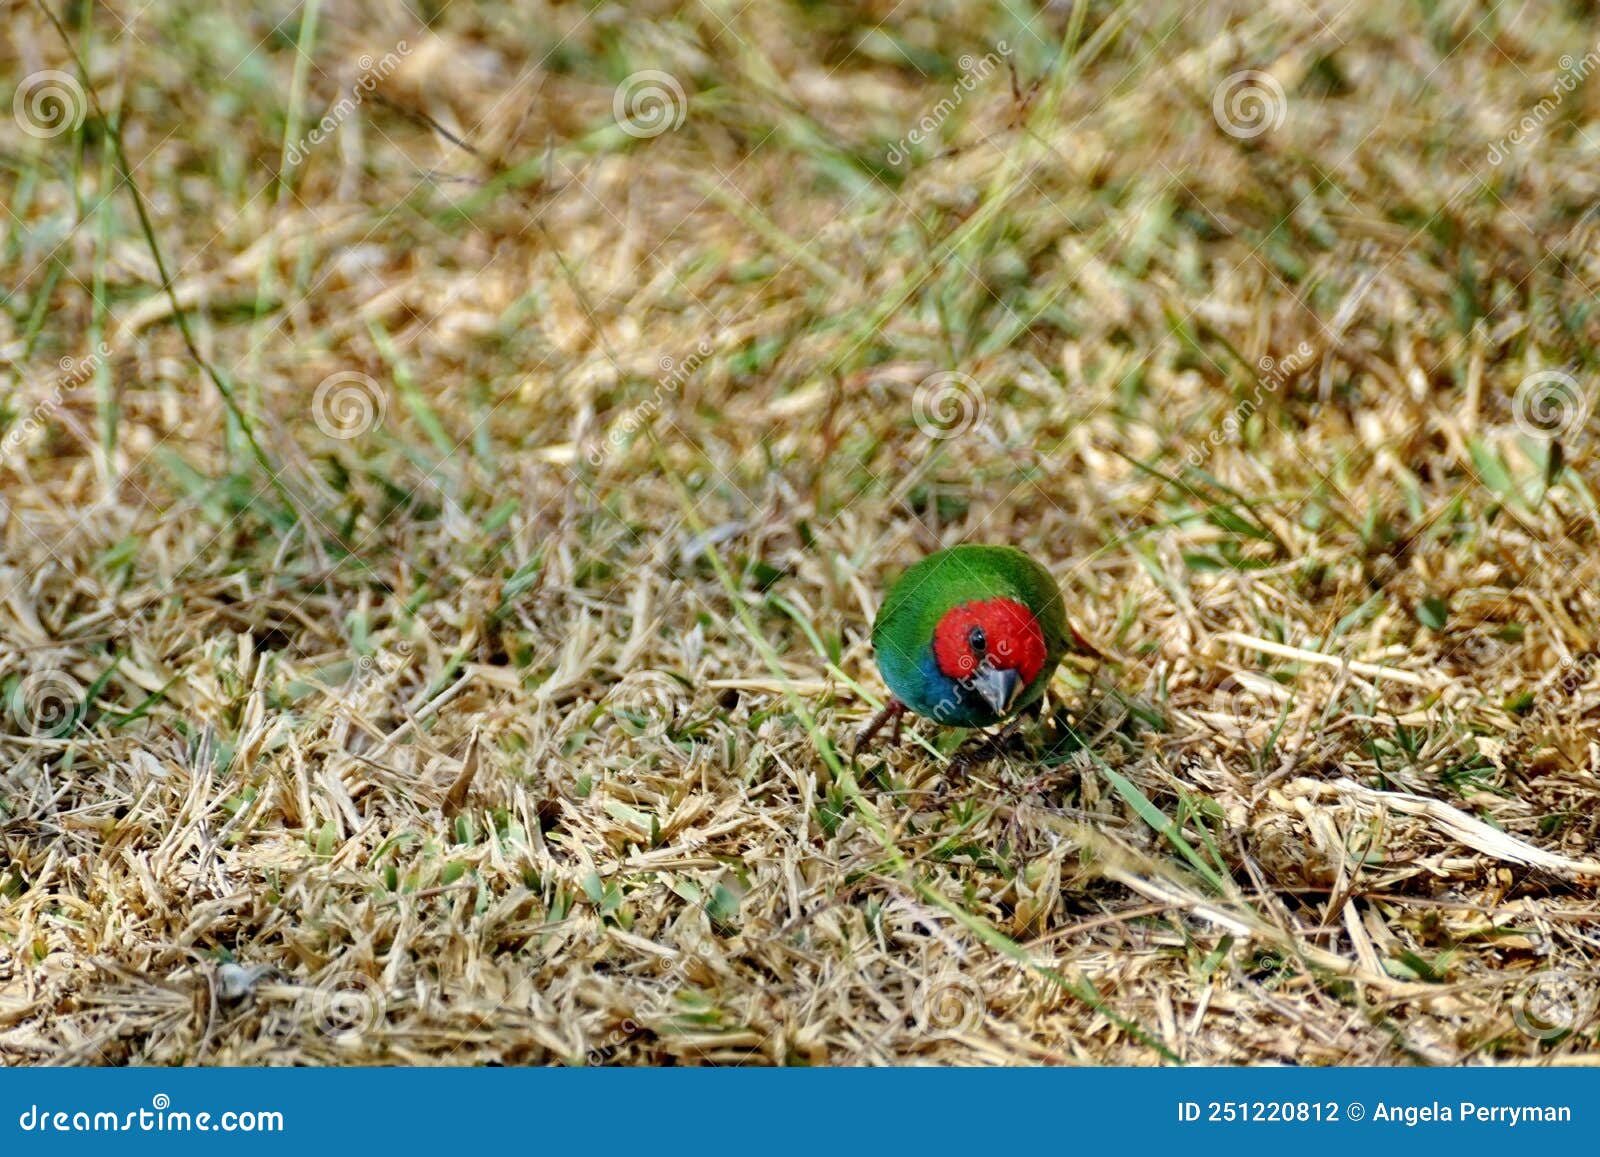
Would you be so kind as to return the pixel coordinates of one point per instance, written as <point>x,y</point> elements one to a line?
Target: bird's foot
<point>986,748</point>
<point>894,710</point>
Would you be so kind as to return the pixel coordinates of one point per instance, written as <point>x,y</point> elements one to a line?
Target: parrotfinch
<point>968,637</point>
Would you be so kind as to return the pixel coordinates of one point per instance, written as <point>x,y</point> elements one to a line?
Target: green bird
<point>968,637</point>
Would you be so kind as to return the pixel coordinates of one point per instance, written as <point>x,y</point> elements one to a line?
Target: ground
<point>453,454</point>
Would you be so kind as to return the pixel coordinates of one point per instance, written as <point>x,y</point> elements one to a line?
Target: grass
<point>434,597</point>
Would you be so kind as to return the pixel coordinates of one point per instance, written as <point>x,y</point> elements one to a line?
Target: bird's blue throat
<point>920,685</point>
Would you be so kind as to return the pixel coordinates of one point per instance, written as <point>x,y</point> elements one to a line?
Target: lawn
<point>451,455</point>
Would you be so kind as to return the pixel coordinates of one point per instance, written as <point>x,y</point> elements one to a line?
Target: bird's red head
<point>1001,634</point>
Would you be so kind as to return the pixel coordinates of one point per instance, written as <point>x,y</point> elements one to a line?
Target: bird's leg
<point>1006,732</point>
<point>894,710</point>
<point>982,751</point>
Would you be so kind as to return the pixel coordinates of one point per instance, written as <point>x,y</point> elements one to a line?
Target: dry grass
<point>504,730</point>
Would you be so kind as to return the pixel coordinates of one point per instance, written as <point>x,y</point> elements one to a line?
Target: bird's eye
<point>976,640</point>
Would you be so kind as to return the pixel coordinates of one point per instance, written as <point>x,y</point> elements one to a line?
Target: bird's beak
<point>998,686</point>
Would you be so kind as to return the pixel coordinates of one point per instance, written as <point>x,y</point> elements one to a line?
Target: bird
<point>968,637</point>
